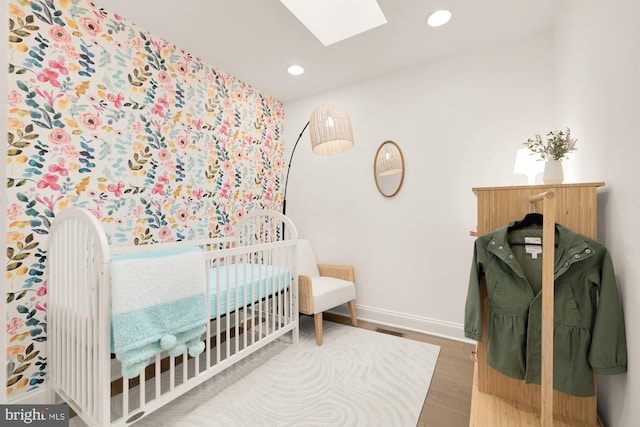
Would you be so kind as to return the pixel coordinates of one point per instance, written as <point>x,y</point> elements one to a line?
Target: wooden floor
<point>448,402</point>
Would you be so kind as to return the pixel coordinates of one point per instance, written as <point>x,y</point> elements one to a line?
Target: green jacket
<point>589,334</point>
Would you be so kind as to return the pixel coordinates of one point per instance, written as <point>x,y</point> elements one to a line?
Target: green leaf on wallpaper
<point>21,256</point>
<point>22,85</point>
<point>31,356</point>
<point>13,380</point>
<point>21,369</point>
<point>22,197</point>
<point>22,309</point>
<point>13,266</point>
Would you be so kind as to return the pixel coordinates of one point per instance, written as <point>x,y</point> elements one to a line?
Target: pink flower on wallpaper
<point>227,166</point>
<point>164,77</point>
<point>90,25</point>
<point>15,98</point>
<point>59,136</point>
<point>14,325</point>
<point>116,189</point>
<point>182,141</point>
<point>158,188</point>
<point>164,154</point>
<point>197,193</point>
<point>197,123</point>
<point>137,127</point>
<point>95,212</point>
<point>50,181</point>
<point>91,121</point>
<point>59,65</point>
<point>224,128</point>
<point>59,34</point>
<point>69,151</point>
<point>49,75</point>
<point>182,68</point>
<point>182,215</point>
<point>158,109</point>
<point>59,168</point>
<point>116,99</point>
<point>14,211</point>
<point>70,51</point>
<point>164,233</point>
<point>227,229</point>
<point>42,291</point>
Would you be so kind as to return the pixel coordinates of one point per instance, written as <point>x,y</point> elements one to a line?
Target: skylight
<point>331,21</point>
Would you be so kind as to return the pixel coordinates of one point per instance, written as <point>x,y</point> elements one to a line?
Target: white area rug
<point>356,378</point>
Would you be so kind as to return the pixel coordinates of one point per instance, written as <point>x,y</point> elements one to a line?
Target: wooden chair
<point>323,286</point>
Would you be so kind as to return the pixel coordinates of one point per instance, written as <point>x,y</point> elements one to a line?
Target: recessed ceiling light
<point>295,70</point>
<point>438,18</point>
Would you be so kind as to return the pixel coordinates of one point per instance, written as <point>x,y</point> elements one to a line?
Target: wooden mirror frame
<point>378,179</point>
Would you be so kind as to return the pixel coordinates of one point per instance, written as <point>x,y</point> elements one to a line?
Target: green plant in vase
<point>552,150</point>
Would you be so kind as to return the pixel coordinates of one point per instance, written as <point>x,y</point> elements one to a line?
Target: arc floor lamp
<point>330,132</point>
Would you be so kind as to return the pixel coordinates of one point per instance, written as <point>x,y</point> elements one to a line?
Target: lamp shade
<point>528,164</point>
<point>388,161</point>
<point>330,130</point>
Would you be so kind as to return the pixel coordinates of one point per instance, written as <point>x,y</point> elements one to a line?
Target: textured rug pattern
<point>356,378</point>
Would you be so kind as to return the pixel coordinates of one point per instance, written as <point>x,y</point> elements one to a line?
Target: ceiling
<point>256,40</point>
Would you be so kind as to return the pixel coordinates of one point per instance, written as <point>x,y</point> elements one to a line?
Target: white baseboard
<point>424,325</point>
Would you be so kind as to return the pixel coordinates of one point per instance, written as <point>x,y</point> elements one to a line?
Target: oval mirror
<point>388,169</point>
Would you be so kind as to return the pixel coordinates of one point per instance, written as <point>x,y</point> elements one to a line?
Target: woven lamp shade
<point>388,161</point>
<point>330,130</point>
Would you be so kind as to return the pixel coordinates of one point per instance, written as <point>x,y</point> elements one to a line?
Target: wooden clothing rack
<point>548,254</point>
<point>502,401</point>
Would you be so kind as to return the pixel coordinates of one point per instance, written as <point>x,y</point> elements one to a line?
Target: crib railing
<point>81,369</point>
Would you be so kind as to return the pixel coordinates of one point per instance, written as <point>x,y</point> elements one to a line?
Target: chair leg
<point>352,309</point>
<point>317,319</point>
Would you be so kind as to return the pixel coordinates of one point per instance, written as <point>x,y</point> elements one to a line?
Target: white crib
<point>81,370</point>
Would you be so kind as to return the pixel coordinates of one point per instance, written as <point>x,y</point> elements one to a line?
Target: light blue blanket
<point>158,302</point>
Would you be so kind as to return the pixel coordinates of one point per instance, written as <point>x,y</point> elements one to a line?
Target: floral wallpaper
<point>159,145</point>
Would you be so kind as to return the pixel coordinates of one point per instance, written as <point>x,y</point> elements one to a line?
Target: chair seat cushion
<point>329,292</point>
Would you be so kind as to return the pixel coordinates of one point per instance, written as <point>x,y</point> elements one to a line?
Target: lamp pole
<point>286,183</point>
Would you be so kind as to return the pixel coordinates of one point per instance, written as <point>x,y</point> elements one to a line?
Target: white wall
<point>598,71</point>
<point>459,122</point>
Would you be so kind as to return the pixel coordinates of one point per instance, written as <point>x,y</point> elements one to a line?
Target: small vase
<point>553,172</point>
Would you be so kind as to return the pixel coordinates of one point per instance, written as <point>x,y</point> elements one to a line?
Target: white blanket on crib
<point>158,302</point>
